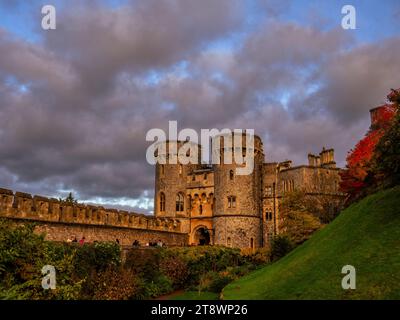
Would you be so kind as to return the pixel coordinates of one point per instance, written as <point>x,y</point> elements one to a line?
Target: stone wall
<point>62,220</point>
<point>237,232</point>
<point>125,236</point>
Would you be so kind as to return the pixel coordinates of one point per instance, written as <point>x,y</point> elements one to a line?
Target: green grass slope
<point>366,235</point>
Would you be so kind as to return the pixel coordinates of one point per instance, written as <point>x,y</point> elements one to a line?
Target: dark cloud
<point>358,80</point>
<point>76,106</point>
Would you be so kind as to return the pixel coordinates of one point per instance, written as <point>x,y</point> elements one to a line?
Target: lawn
<point>366,235</point>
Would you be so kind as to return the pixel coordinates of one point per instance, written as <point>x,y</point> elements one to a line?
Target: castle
<point>216,206</point>
<point>195,204</point>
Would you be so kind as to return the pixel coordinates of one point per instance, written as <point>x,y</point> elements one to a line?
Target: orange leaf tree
<point>359,165</point>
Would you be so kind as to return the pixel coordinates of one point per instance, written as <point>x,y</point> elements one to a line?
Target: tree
<point>386,160</point>
<point>360,171</point>
<point>69,199</point>
<point>298,220</point>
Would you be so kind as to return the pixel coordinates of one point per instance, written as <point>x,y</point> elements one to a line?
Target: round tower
<point>237,220</point>
<point>171,180</point>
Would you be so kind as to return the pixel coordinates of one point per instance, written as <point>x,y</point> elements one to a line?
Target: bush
<point>281,246</point>
<point>175,269</point>
<point>21,252</point>
<point>200,260</point>
<point>94,271</point>
<point>159,286</point>
<point>256,257</point>
<point>214,281</point>
<point>22,256</point>
<point>115,284</point>
<point>144,262</point>
<point>96,256</point>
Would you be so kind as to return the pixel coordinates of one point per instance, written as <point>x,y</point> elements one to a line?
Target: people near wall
<point>75,239</point>
<point>69,240</point>
<point>136,243</point>
<point>159,243</point>
<point>82,241</point>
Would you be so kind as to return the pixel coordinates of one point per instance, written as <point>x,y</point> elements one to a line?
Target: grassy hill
<point>366,235</point>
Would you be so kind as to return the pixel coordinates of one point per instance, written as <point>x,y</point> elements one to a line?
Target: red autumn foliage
<point>354,177</point>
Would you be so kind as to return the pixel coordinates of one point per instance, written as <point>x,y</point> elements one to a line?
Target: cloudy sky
<point>77,102</point>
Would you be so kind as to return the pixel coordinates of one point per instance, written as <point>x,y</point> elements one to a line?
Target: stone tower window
<point>231,175</point>
<point>268,191</point>
<point>231,202</point>
<point>205,176</point>
<point>201,209</point>
<point>252,243</point>
<point>268,214</point>
<point>228,242</point>
<point>179,202</point>
<point>162,202</point>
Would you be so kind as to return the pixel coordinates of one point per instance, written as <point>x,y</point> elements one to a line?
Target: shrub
<point>115,284</point>
<point>21,252</point>
<point>256,257</point>
<point>281,246</point>
<point>22,256</point>
<point>159,286</point>
<point>200,260</point>
<point>144,262</point>
<point>175,269</point>
<point>214,281</point>
<point>96,256</point>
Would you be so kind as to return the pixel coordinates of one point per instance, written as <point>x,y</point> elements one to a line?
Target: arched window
<point>201,209</point>
<point>231,175</point>
<point>252,243</point>
<point>162,202</point>
<point>179,202</point>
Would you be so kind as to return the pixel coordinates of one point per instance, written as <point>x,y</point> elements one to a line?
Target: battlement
<point>24,206</point>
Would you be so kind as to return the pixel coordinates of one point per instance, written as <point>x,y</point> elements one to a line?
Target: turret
<point>171,178</point>
<point>238,209</point>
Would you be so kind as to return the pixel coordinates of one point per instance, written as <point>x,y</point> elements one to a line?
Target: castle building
<point>218,207</point>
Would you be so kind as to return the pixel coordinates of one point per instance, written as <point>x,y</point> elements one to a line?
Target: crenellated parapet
<point>21,205</point>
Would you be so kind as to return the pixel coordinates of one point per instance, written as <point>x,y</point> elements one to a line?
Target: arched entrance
<point>202,236</point>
